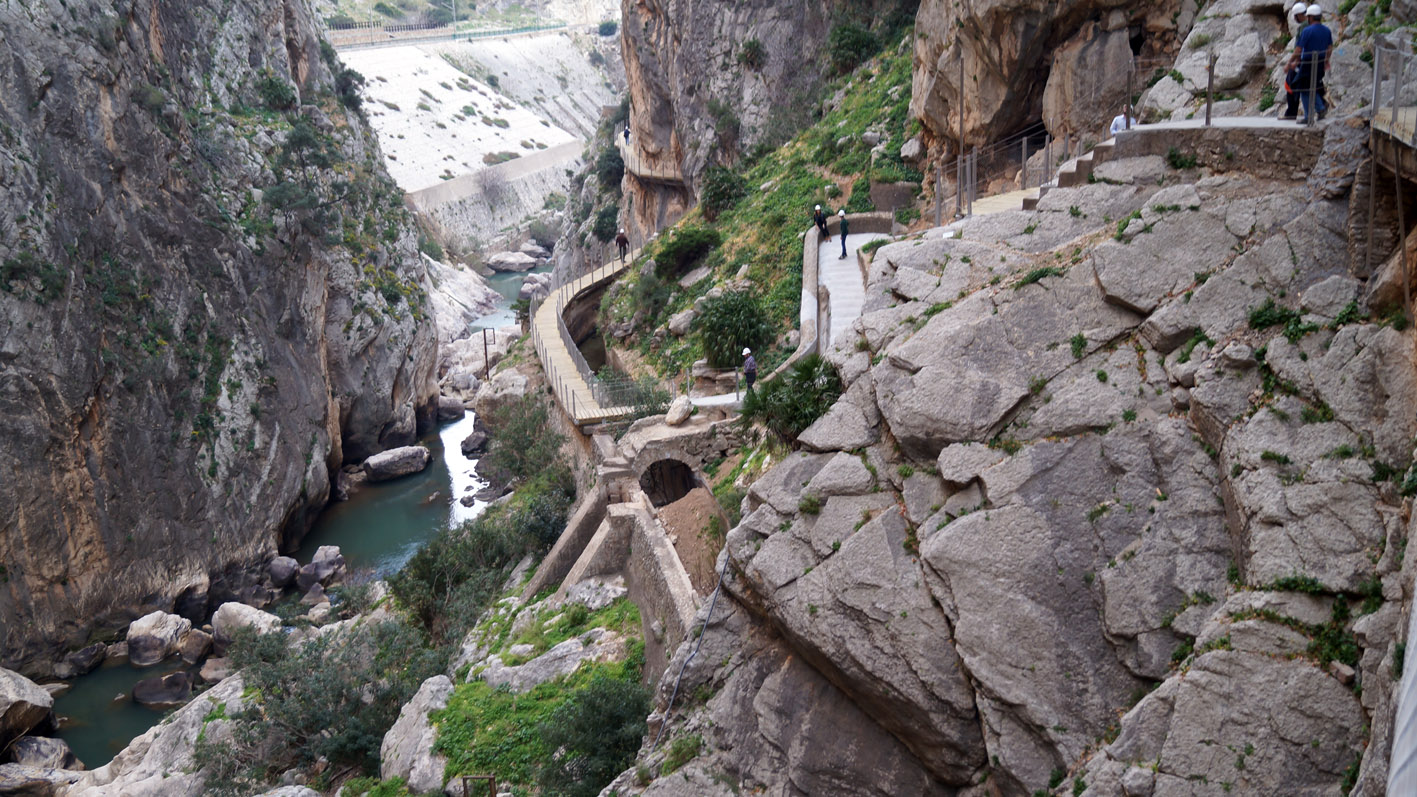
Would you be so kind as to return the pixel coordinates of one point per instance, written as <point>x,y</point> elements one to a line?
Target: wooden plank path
<point>565,378</point>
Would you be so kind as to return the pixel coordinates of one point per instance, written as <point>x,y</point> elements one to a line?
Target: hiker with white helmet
<point>819,218</point>
<point>1312,51</point>
<point>622,241</point>
<point>750,368</point>
<point>1299,16</point>
<point>841,214</point>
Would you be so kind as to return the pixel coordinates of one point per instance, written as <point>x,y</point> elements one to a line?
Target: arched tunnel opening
<point>666,481</point>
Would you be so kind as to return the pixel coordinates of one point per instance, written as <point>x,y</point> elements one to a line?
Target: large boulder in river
<point>153,637</point>
<point>475,443</point>
<point>397,462</point>
<point>38,751</point>
<point>450,408</point>
<point>163,691</point>
<point>84,660</point>
<point>407,751</point>
<point>194,645</point>
<point>325,567</point>
<point>232,617</point>
<point>27,781</point>
<point>282,570</point>
<point>511,261</point>
<point>23,705</point>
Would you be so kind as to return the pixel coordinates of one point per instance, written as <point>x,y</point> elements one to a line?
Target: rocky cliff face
<point>1064,62</point>
<point>210,297</point>
<point>1106,508</point>
<point>696,98</point>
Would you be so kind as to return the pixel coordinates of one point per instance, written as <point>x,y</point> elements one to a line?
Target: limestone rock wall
<point>693,104</point>
<point>182,365</point>
<point>1116,500</point>
<point>1026,59</point>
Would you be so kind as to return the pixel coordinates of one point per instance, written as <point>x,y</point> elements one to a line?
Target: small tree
<point>610,169</point>
<point>606,223</point>
<point>849,45</point>
<point>730,323</point>
<point>608,28</point>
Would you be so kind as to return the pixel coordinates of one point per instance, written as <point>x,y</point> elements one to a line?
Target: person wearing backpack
<point>750,368</point>
<point>841,214</point>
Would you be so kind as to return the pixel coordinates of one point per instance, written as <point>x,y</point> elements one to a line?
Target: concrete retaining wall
<point>811,313</point>
<point>631,541</point>
<point>1284,152</point>
<point>580,528</point>
<point>461,211</point>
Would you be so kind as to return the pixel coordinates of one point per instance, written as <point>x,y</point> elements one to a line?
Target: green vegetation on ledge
<point>828,164</point>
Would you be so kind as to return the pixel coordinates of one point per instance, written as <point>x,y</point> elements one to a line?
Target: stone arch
<point>667,480</point>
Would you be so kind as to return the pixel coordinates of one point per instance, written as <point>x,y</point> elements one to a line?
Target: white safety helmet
<point>746,352</point>
<point>622,230</point>
<point>1316,10</point>
<point>841,213</point>
<point>1300,10</point>
<point>819,207</point>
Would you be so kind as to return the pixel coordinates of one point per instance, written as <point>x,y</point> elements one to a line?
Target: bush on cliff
<point>523,443</point>
<point>729,324</point>
<point>685,248</point>
<point>793,401</point>
<point>333,697</point>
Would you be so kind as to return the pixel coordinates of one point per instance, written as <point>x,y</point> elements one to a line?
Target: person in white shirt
<point>1119,123</point>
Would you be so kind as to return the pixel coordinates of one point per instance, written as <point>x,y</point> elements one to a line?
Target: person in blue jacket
<point>1312,51</point>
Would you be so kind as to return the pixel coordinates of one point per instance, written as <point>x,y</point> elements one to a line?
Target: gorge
<point>1102,487</point>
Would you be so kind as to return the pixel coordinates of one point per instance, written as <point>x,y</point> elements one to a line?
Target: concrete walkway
<point>845,283</point>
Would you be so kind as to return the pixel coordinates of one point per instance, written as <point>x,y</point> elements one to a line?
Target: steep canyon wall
<point>210,299</point>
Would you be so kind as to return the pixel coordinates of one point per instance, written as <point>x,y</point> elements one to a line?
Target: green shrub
<point>607,221</point>
<point>275,93</point>
<point>730,323</point>
<point>723,188</point>
<point>725,122</point>
<point>543,233</point>
<point>610,169</point>
<point>151,98</point>
<point>333,697</point>
<point>793,401</point>
<point>388,10</point>
<point>608,28</point>
<point>430,247</point>
<point>1176,160</point>
<point>596,734</point>
<point>347,85</point>
<point>752,55</point>
<point>523,443</point>
<point>686,247</point>
<point>849,45</point>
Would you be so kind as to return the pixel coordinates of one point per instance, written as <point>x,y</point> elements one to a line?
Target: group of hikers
<point>820,218</point>
<point>1304,74</point>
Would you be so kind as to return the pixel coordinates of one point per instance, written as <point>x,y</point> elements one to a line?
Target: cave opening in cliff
<point>666,481</point>
<point>1137,39</point>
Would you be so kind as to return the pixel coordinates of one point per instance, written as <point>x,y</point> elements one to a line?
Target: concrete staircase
<point>1075,172</point>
